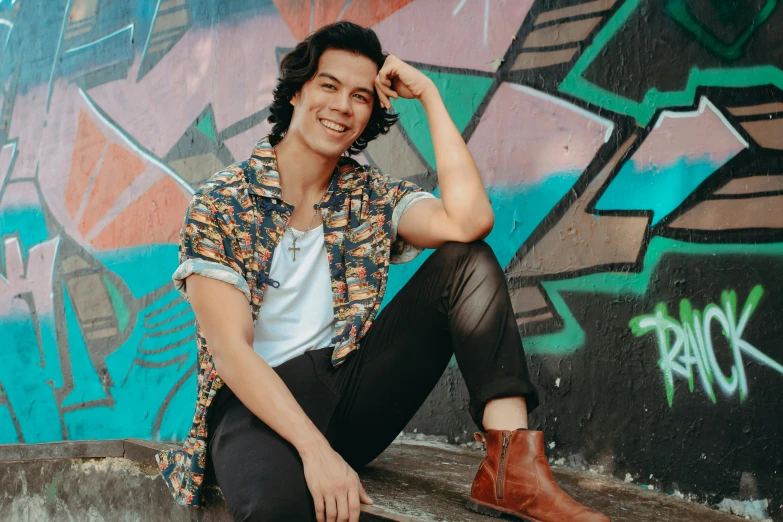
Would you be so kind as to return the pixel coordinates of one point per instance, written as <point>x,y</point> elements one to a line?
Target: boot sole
<point>494,511</point>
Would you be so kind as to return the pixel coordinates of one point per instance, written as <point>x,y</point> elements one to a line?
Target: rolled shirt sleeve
<point>406,194</point>
<point>207,247</point>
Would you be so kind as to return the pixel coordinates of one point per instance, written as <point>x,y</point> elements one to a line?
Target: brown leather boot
<point>515,479</point>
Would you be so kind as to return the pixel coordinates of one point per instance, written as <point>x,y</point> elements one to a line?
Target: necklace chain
<point>303,234</point>
<point>293,248</point>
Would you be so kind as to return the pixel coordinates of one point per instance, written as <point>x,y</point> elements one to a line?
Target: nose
<point>341,103</point>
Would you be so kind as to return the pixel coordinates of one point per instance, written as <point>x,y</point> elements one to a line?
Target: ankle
<point>505,427</point>
<point>505,414</point>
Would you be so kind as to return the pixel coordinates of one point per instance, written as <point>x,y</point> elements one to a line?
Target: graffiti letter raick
<point>687,344</point>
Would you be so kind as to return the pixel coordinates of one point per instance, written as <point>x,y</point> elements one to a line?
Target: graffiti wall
<point>632,149</point>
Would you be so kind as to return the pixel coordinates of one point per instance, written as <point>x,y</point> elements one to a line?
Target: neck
<point>304,174</point>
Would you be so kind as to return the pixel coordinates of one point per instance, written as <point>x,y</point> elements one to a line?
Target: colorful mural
<point>632,149</point>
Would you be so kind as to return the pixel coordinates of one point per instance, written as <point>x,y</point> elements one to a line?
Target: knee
<point>456,250</point>
<point>478,256</point>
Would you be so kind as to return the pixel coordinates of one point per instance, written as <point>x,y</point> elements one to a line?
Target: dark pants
<point>457,304</point>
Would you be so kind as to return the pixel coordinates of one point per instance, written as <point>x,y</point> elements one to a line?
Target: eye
<point>329,86</point>
<point>361,97</point>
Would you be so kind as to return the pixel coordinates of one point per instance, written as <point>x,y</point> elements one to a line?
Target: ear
<point>295,99</point>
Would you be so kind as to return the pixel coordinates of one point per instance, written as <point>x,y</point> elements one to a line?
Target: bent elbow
<point>486,226</point>
<point>481,226</point>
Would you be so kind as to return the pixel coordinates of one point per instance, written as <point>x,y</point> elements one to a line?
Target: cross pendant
<point>294,249</point>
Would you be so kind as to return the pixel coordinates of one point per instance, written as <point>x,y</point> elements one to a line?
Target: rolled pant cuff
<point>510,387</point>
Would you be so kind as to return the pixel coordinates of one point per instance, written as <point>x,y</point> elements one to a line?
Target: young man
<point>284,261</point>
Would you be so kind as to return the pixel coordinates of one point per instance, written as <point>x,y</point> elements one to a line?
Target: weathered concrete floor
<point>411,482</point>
<point>429,482</point>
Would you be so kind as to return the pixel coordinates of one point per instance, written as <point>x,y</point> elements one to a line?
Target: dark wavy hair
<point>301,64</point>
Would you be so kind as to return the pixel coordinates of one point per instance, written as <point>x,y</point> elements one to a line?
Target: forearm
<point>262,391</point>
<point>462,191</point>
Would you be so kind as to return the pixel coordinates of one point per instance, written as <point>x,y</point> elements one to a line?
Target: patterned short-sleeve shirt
<point>232,226</point>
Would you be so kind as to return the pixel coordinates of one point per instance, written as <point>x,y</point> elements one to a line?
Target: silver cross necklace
<point>293,249</point>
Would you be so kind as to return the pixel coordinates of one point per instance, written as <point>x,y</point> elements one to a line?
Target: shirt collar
<point>264,178</point>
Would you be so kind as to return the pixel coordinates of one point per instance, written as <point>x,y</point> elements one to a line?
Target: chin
<point>329,149</point>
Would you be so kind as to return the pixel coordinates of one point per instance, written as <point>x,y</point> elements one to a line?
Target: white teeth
<point>333,126</point>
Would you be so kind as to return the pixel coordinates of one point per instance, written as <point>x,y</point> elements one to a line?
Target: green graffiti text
<point>687,344</point>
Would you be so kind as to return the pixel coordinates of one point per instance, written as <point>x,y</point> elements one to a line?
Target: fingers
<point>331,509</point>
<point>384,93</point>
<point>383,85</point>
<point>386,85</point>
<point>354,505</point>
<point>363,496</point>
<point>320,512</point>
<point>343,513</point>
<point>382,98</point>
<point>385,79</point>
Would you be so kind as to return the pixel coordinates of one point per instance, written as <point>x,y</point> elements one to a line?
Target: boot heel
<point>484,510</point>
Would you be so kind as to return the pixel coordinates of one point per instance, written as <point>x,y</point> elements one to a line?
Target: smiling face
<point>333,108</point>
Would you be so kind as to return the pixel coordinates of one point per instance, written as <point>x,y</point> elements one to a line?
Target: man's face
<point>333,108</point>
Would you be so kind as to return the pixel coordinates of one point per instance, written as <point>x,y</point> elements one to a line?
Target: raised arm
<point>463,213</point>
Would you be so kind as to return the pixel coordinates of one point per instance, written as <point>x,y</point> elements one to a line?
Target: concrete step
<point>429,482</point>
<point>410,482</point>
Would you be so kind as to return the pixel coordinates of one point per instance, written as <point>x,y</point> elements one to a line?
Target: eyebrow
<point>361,89</point>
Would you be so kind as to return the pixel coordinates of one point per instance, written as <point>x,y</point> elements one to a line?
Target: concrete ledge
<point>143,451</point>
<point>137,450</point>
<point>113,480</point>
<point>409,482</point>
<point>81,449</point>
<point>111,489</point>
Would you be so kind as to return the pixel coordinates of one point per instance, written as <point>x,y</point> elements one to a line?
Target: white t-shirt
<point>298,315</point>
